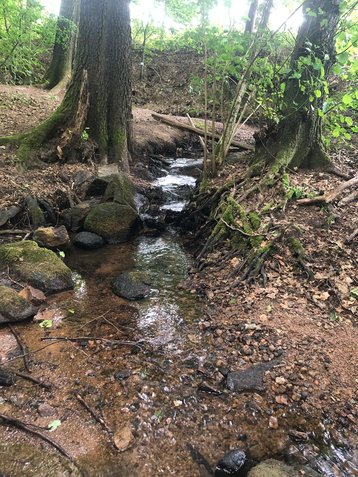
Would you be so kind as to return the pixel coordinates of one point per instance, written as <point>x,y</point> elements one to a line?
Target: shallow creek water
<point>147,380</point>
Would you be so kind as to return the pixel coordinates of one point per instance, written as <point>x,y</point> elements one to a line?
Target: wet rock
<point>250,379</point>
<point>129,286</point>
<point>231,464</point>
<point>74,218</point>
<point>8,213</point>
<point>39,267</point>
<point>37,217</point>
<point>273,468</point>
<point>123,438</point>
<point>6,377</point>
<point>88,241</point>
<point>114,222</point>
<point>33,295</point>
<point>52,237</point>
<point>120,190</point>
<point>14,308</point>
<point>123,374</point>
<point>50,213</point>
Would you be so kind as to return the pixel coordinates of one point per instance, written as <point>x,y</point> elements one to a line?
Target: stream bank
<point>154,370</point>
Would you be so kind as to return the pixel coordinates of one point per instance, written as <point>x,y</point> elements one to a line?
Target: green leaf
<point>46,324</point>
<point>354,293</point>
<point>54,425</point>
<point>320,113</point>
<point>71,312</point>
<point>318,93</point>
<point>347,99</point>
<point>62,254</point>
<point>349,121</point>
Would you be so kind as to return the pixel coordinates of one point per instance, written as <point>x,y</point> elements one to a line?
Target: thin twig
<point>94,414</point>
<point>28,353</point>
<point>32,379</point>
<point>28,428</point>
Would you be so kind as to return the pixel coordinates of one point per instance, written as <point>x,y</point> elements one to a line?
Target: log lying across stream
<point>199,132</point>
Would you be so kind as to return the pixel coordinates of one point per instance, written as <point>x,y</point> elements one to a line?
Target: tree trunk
<point>99,94</point>
<point>250,22</point>
<point>266,12</point>
<point>298,139</point>
<point>60,68</point>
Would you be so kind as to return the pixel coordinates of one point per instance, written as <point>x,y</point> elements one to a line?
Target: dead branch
<point>202,142</point>
<point>199,132</point>
<point>330,196</point>
<point>352,236</point>
<point>32,379</point>
<point>15,231</point>
<point>28,428</point>
<point>94,414</point>
<point>350,198</point>
<point>21,346</point>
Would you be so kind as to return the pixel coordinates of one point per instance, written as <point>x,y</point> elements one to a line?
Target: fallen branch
<point>33,380</point>
<point>94,414</point>
<point>92,338</point>
<point>15,232</point>
<point>28,428</point>
<point>21,346</point>
<point>329,197</point>
<point>352,236</point>
<point>199,132</point>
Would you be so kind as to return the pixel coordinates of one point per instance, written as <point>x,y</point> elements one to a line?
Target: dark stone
<point>13,307</point>
<point>128,285</point>
<point>231,464</point>
<point>88,241</point>
<point>97,187</point>
<point>250,379</point>
<point>9,213</point>
<point>37,217</point>
<point>74,217</point>
<point>50,213</point>
<point>123,374</point>
<point>6,377</point>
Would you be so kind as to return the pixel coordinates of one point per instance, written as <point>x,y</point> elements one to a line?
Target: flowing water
<point>151,385</point>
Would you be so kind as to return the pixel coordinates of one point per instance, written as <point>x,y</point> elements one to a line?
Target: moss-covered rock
<point>37,266</point>
<point>114,222</point>
<point>13,307</point>
<point>273,468</point>
<point>52,237</point>
<point>120,189</point>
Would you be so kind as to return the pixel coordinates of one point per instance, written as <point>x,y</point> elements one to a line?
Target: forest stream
<point>143,367</point>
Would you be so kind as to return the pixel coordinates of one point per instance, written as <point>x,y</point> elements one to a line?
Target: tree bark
<point>60,68</point>
<point>99,94</point>
<point>250,22</point>
<point>297,141</point>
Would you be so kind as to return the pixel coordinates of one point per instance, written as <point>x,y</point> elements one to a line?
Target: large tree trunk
<point>99,94</point>
<point>298,139</point>
<point>60,69</point>
<point>250,22</point>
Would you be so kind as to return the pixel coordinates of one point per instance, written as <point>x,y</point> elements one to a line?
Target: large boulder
<point>74,217</point>
<point>37,217</point>
<point>37,266</point>
<point>52,237</point>
<point>114,222</point>
<point>273,468</point>
<point>13,307</point>
<point>130,286</point>
<point>88,240</point>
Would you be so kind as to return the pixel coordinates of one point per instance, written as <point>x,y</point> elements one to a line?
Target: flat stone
<point>33,295</point>
<point>273,468</point>
<point>123,438</point>
<point>250,379</point>
<point>88,241</point>
<point>45,410</point>
<point>14,308</point>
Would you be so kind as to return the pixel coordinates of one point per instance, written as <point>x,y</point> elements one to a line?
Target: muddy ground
<point>174,399</point>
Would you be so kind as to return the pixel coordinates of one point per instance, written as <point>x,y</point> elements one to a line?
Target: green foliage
<point>26,35</point>
<point>53,425</point>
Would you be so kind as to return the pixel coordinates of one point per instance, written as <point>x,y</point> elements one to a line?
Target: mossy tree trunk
<point>60,69</point>
<point>297,141</point>
<point>251,17</point>
<point>99,94</point>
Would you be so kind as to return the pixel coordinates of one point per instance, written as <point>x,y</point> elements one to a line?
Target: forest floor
<point>309,325</point>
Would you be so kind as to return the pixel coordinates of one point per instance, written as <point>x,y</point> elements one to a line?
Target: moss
<point>13,307</point>
<point>120,190</point>
<point>39,267</point>
<point>267,207</point>
<point>297,247</point>
<point>254,220</point>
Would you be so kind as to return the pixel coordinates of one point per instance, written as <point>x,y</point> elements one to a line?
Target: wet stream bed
<point>148,371</point>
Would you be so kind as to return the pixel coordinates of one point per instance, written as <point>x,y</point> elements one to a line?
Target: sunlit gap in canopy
<point>226,14</point>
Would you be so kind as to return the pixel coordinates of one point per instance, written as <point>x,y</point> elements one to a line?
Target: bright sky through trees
<point>220,15</point>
